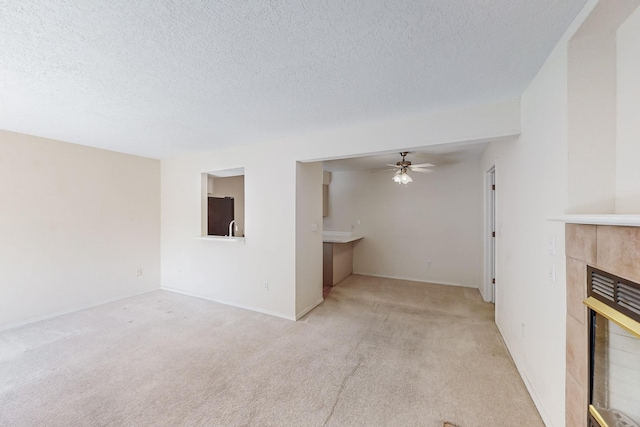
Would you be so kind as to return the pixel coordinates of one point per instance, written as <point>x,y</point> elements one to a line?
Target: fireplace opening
<point>614,349</point>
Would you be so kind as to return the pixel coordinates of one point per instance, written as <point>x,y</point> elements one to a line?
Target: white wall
<point>437,217</point>
<point>531,185</point>
<point>76,223</point>
<point>235,273</point>
<point>309,179</point>
<point>566,161</point>
<point>628,116</point>
<point>224,271</point>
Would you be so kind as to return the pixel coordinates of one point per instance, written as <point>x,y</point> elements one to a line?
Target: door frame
<point>490,242</point>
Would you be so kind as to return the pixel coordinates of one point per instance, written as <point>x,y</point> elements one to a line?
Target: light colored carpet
<point>377,352</point>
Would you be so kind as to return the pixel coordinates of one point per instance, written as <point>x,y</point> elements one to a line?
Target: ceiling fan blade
<point>422,165</point>
<point>384,170</point>
<point>393,166</point>
<point>421,170</point>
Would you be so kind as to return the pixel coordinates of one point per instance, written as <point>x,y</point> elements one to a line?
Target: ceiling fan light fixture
<point>405,178</point>
<point>402,177</point>
<point>402,168</point>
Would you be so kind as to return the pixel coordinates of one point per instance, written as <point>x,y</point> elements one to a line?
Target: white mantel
<point>622,220</point>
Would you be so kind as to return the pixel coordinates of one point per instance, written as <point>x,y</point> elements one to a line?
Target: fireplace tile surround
<point>610,247</point>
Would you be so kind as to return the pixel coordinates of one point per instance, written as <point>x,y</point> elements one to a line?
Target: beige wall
<point>76,224</point>
<point>628,116</point>
<point>591,79</point>
<point>603,104</point>
<point>436,218</point>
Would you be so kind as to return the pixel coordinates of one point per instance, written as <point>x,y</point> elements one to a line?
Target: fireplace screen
<point>615,392</point>
<point>614,355</point>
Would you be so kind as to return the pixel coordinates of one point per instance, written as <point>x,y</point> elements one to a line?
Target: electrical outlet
<point>523,330</point>
<point>552,246</point>
<point>552,273</point>
<point>428,263</point>
<point>266,285</point>
<point>139,272</point>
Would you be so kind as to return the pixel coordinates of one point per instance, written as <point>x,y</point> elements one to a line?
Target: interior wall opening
<point>223,206</point>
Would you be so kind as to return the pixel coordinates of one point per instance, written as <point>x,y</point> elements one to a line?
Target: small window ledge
<point>222,238</point>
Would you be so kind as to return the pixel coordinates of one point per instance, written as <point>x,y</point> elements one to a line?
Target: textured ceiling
<point>161,77</point>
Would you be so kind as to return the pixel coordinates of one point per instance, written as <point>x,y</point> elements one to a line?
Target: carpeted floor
<point>377,352</point>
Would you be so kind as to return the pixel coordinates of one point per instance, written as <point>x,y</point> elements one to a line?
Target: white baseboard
<point>72,310</point>
<point>308,309</point>
<point>413,279</point>
<point>525,379</point>
<point>233,304</point>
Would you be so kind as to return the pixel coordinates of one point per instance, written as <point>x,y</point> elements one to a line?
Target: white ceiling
<point>158,78</point>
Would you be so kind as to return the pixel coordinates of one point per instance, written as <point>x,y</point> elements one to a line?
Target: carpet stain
<point>344,381</point>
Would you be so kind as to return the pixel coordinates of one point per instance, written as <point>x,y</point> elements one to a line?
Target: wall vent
<point>618,293</point>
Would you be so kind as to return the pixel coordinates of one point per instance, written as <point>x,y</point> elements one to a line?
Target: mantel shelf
<point>621,220</point>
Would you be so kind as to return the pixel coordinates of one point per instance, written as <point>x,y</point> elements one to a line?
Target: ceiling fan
<point>402,167</point>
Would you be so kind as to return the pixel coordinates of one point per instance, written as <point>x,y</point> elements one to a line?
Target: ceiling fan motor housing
<point>404,163</point>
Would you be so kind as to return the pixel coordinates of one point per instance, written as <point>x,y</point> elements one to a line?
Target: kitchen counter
<point>222,238</point>
<point>337,251</point>
<point>339,237</point>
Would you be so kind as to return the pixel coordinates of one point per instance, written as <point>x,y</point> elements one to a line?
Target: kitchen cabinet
<point>337,256</point>
<point>220,213</point>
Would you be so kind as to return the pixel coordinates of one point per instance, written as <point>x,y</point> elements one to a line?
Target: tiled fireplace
<point>613,249</point>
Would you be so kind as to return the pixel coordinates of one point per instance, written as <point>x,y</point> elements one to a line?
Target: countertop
<point>339,237</point>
